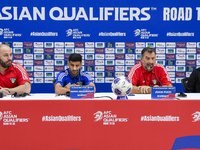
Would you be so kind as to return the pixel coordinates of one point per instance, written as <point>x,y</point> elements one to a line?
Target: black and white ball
<point>121,86</point>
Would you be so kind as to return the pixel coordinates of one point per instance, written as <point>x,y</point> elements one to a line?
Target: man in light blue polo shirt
<point>72,76</point>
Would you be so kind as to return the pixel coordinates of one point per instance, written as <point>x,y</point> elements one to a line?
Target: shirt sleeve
<point>87,78</point>
<point>60,78</point>
<point>22,76</point>
<point>164,77</point>
<point>132,75</point>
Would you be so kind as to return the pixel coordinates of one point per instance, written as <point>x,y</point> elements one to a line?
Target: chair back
<point>54,81</point>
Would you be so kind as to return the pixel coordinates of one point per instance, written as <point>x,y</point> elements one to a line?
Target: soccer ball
<point>121,86</point>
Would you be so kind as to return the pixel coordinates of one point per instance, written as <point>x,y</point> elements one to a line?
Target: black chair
<point>54,81</point>
<point>184,83</point>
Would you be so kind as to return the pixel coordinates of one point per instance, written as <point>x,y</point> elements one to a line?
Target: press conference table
<point>50,122</point>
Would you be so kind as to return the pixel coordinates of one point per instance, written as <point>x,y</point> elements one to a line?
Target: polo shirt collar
<point>9,69</point>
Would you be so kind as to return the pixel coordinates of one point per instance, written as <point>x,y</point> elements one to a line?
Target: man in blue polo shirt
<point>72,76</point>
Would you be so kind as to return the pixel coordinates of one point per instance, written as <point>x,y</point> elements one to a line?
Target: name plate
<point>81,92</point>
<point>163,92</point>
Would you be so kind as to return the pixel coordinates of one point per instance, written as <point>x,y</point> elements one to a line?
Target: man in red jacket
<point>148,74</point>
<point>13,76</point>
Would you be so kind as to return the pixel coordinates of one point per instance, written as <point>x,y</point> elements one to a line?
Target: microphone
<point>1,94</point>
<point>79,82</point>
<point>156,76</point>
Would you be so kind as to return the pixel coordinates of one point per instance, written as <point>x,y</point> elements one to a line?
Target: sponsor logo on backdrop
<point>99,56</point>
<point>99,62</point>
<point>49,62</point>
<point>99,68</point>
<point>18,50</point>
<point>28,44</point>
<point>190,62</point>
<point>76,34</point>
<point>160,50</point>
<point>109,68</point>
<point>191,50</point>
<point>188,74</point>
<point>160,56</point>
<point>110,62</point>
<point>170,44</point>
<point>58,56</point>
<point>191,44</point>
<point>138,50</point>
<point>178,56</point>
<point>180,68</point>
<point>119,62</point>
<point>99,80</point>
<point>48,74</point>
<point>170,62</point>
<point>170,51</point>
<point>109,50</point>
<point>161,62</point>
<point>28,56</point>
<point>109,80</point>
<point>160,44</point>
<point>38,50</point>
<point>180,50</point>
<point>140,44</point>
<point>120,44</point>
<point>38,74</point>
<point>89,68</point>
<point>109,74</point>
<point>38,80</point>
<point>89,44</point>
<point>48,44</point>
<point>59,44</point>
<point>18,56</point>
<point>59,50</point>
<point>17,44</point>
<point>144,34</point>
<point>44,34</point>
<point>110,56</point>
<point>171,74</point>
<point>150,44</point>
<point>181,44</point>
<point>28,50</point>
<point>191,56</point>
<point>119,74</point>
<point>89,62</point>
<point>99,44</point>
<point>60,118</point>
<point>112,33</point>
<point>59,68</point>
<point>180,62</point>
<point>119,68</point>
<point>8,118</point>
<point>158,118</point>
<point>129,56</point>
<point>91,74</point>
<point>30,74</point>
<point>190,68</point>
<point>130,44</point>
<point>99,74</point>
<point>130,50</point>
<point>19,62</point>
<point>69,50</point>
<point>38,44</point>
<point>28,68</point>
<point>48,80</point>
<point>99,50</point>
<point>119,56</point>
<point>79,50</point>
<point>69,44</point>
<point>38,62</point>
<point>180,34</point>
<point>8,34</point>
<point>130,62</point>
<point>196,116</point>
<point>38,68</point>
<point>170,68</point>
<point>119,50</point>
<point>89,50</point>
<point>28,62</point>
<point>49,68</point>
<point>38,56</point>
<point>108,118</point>
<point>180,74</point>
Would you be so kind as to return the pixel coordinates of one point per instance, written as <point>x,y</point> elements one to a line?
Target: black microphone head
<point>15,94</point>
<point>1,94</point>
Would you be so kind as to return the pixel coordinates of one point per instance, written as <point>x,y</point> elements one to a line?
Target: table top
<point>98,96</point>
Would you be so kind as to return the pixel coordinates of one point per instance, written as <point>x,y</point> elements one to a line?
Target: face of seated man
<point>148,60</point>
<point>74,67</point>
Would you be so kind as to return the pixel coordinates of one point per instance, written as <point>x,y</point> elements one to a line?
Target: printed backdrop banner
<point>108,34</point>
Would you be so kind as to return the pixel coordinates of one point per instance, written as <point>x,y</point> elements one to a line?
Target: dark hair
<point>75,57</point>
<point>149,50</point>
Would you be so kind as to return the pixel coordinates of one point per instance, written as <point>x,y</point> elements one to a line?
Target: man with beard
<point>147,73</point>
<point>13,77</point>
<point>72,76</point>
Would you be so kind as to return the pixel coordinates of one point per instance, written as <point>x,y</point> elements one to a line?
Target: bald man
<point>13,76</point>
